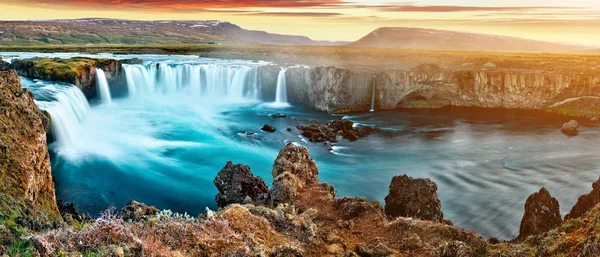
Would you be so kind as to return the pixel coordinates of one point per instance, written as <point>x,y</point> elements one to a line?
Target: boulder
<point>414,198</point>
<point>570,128</point>
<point>330,131</point>
<point>135,211</point>
<point>236,183</point>
<point>585,202</point>
<point>292,170</point>
<point>278,116</point>
<point>542,214</point>
<point>296,160</point>
<point>268,128</point>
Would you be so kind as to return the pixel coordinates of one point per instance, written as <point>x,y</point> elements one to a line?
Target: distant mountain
<point>130,32</point>
<point>416,38</point>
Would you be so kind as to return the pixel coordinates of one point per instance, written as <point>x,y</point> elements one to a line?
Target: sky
<point>569,21</point>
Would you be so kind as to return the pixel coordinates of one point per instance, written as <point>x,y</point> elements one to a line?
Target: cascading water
<point>281,93</point>
<point>231,82</point>
<point>66,104</point>
<point>102,87</point>
<point>373,100</point>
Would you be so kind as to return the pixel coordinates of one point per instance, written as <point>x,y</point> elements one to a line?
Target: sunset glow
<point>561,21</point>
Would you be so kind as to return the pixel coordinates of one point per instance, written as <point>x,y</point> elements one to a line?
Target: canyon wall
<point>26,186</point>
<point>335,90</point>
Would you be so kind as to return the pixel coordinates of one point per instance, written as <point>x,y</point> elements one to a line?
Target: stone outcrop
<point>585,202</point>
<point>337,90</point>
<point>236,184</point>
<point>292,170</point>
<point>329,132</point>
<point>570,128</point>
<point>135,211</point>
<point>413,198</point>
<point>542,214</point>
<point>26,185</point>
<point>78,71</point>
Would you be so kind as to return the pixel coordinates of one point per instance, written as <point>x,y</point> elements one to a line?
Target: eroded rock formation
<point>236,184</point>
<point>26,186</point>
<point>585,202</point>
<point>542,214</point>
<point>415,198</point>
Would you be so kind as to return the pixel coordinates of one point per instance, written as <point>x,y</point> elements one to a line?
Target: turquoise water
<point>165,150</point>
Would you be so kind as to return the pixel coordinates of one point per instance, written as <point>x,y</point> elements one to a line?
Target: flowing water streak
<point>231,82</point>
<point>373,100</point>
<point>102,86</point>
<point>67,111</point>
<point>281,93</point>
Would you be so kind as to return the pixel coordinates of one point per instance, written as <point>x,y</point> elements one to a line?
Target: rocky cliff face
<point>26,186</point>
<point>78,71</point>
<point>335,90</point>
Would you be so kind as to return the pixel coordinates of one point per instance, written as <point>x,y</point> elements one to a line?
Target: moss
<point>20,248</point>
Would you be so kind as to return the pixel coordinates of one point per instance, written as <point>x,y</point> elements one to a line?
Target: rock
<point>336,249</point>
<point>25,169</point>
<point>455,249</point>
<point>236,183</point>
<point>284,189</point>
<point>117,252</point>
<point>585,202</point>
<point>542,213</point>
<point>278,116</point>
<point>296,160</point>
<point>268,128</point>
<point>44,248</point>
<point>414,198</point>
<point>373,250</point>
<point>289,129</point>
<point>135,211</point>
<point>570,128</point>
<point>210,215</point>
<point>132,61</point>
<point>287,251</point>
<point>330,131</point>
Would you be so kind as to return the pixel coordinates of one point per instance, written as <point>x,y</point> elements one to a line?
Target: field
<point>351,57</point>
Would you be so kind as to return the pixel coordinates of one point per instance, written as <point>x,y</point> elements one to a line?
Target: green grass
<point>21,248</point>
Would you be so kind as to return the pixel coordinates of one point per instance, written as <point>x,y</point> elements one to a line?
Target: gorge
<point>144,142</point>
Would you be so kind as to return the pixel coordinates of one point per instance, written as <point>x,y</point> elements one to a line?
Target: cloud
<point>184,4</point>
<point>456,8</point>
<point>295,14</point>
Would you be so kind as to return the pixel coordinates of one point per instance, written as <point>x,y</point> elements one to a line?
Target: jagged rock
<point>542,213</point>
<point>284,189</point>
<point>268,128</point>
<point>287,251</point>
<point>135,211</point>
<point>570,128</point>
<point>415,198</point>
<point>330,131</point>
<point>296,160</point>
<point>25,173</point>
<point>236,182</point>
<point>278,116</point>
<point>585,202</point>
<point>44,248</point>
<point>352,208</point>
<point>373,250</point>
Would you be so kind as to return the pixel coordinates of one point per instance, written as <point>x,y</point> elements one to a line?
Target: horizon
<point>570,22</point>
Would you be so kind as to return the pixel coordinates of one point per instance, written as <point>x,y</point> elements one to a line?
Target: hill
<point>131,32</point>
<point>417,38</point>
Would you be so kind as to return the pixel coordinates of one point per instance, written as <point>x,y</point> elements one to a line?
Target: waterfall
<point>373,100</point>
<point>102,86</point>
<point>220,81</point>
<point>67,110</point>
<point>281,93</point>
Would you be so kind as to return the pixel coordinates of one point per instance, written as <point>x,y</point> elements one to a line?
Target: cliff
<point>78,71</point>
<point>335,90</point>
<point>26,187</point>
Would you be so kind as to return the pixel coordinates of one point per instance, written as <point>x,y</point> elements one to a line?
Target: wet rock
<point>542,214</point>
<point>289,129</point>
<point>585,202</point>
<point>132,61</point>
<point>236,183</point>
<point>415,198</point>
<point>278,116</point>
<point>570,128</point>
<point>268,128</point>
<point>329,132</point>
<point>373,250</point>
<point>135,211</point>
